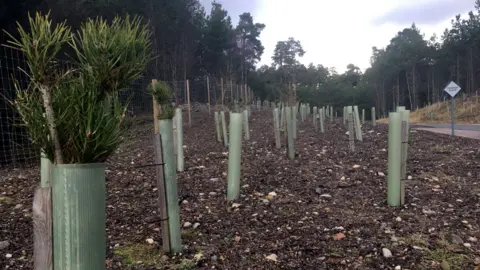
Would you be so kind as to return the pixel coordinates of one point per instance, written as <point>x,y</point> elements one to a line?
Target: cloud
<point>422,12</point>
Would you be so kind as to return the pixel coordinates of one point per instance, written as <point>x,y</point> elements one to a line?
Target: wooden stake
<point>42,229</point>
<point>208,93</point>
<point>162,197</point>
<point>223,91</point>
<point>155,111</point>
<point>188,102</point>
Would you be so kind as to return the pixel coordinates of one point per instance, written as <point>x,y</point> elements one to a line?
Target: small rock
<point>236,205</point>
<point>212,193</point>
<point>326,196</point>
<point>201,194</point>
<point>428,212</point>
<point>8,256</point>
<point>318,190</point>
<point>398,267</point>
<point>184,202</point>
<point>214,179</point>
<point>150,240</point>
<point>321,258</point>
<point>195,225</point>
<point>18,206</point>
<point>457,240</point>
<point>356,166</point>
<point>271,195</point>
<point>398,219</point>
<point>467,245</point>
<point>417,248</point>
<point>381,174</point>
<point>464,222</point>
<point>386,253</point>
<point>4,244</point>
<point>394,238</point>
<point>187,225</point>
<point>409,177</point>
<point>471,239</point>
<point>272,257</point>
<point>342,178</point>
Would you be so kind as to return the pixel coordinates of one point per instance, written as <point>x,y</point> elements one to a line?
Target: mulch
<point>328,209</point>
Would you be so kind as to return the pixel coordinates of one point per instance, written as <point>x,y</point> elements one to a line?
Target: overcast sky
<point>335,33</point>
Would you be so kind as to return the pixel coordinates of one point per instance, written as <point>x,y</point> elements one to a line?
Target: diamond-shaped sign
<point>452,89</point>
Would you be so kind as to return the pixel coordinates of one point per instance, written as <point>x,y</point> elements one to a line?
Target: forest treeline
<point>192,43</point>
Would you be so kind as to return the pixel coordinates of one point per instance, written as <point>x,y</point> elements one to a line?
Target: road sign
<point>452,89</point>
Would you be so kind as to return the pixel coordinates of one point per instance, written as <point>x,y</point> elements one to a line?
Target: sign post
<point>452,89</point>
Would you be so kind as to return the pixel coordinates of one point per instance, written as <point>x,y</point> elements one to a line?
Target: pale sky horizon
<point>337,33</point>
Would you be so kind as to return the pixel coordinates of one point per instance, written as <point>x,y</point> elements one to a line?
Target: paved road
<point>468,131</point>
<point>457,127</point>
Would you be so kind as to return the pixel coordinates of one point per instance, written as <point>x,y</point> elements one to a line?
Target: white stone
<point>472,239</point>
<point>398,219</point>
<point>409,177</point>
<point>327,196</point>
<point>356,166</point>
<point>195,225</point>
<point>236,205</point>
<point>386,253</point>
<point>8,256</point>
<point>467,245</point>
<point>150,240</point>
<point>398,267</point>
<point>187,225</point>
<point>273,194</point>
<point>381,174</point>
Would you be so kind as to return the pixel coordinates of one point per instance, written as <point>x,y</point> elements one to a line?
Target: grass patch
<point>185,265</point>
<point>443,253</point>
<point>6,200</point>
<point>148,254</point>
<point>438,113</point>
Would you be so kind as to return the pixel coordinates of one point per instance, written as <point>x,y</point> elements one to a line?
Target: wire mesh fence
<point>16,148</point>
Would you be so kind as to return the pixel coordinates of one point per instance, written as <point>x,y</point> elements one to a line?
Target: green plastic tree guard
<point>45,171</point>
<point>245,122</point>
<point>345,115</point>
<point>276,128</point>
<point>173,209</point>
<point>314,117</point>
<point>78,198</point>
<point>363,116</point>
<point>351,140</point>
<point>374,117</point>
<point>294,123</point>
<point>217,125</point>
<point>234,156</point>
<point>331,114</point>
<point>400,108</point>
<point>224,129</point>
<point>358,127</point>
<point>179,120</point>
<point>321,114</point>
<point>394,159</point>
<point>290,139</point>
<point>405,127</point>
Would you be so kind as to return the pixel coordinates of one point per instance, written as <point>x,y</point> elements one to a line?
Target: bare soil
<point>329,211</point>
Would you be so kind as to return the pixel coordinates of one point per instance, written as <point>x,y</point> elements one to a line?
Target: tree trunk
<point>50,115</point>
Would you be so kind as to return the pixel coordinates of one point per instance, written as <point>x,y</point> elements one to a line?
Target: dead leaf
<point>339,236</point>
<point>272,257</point>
